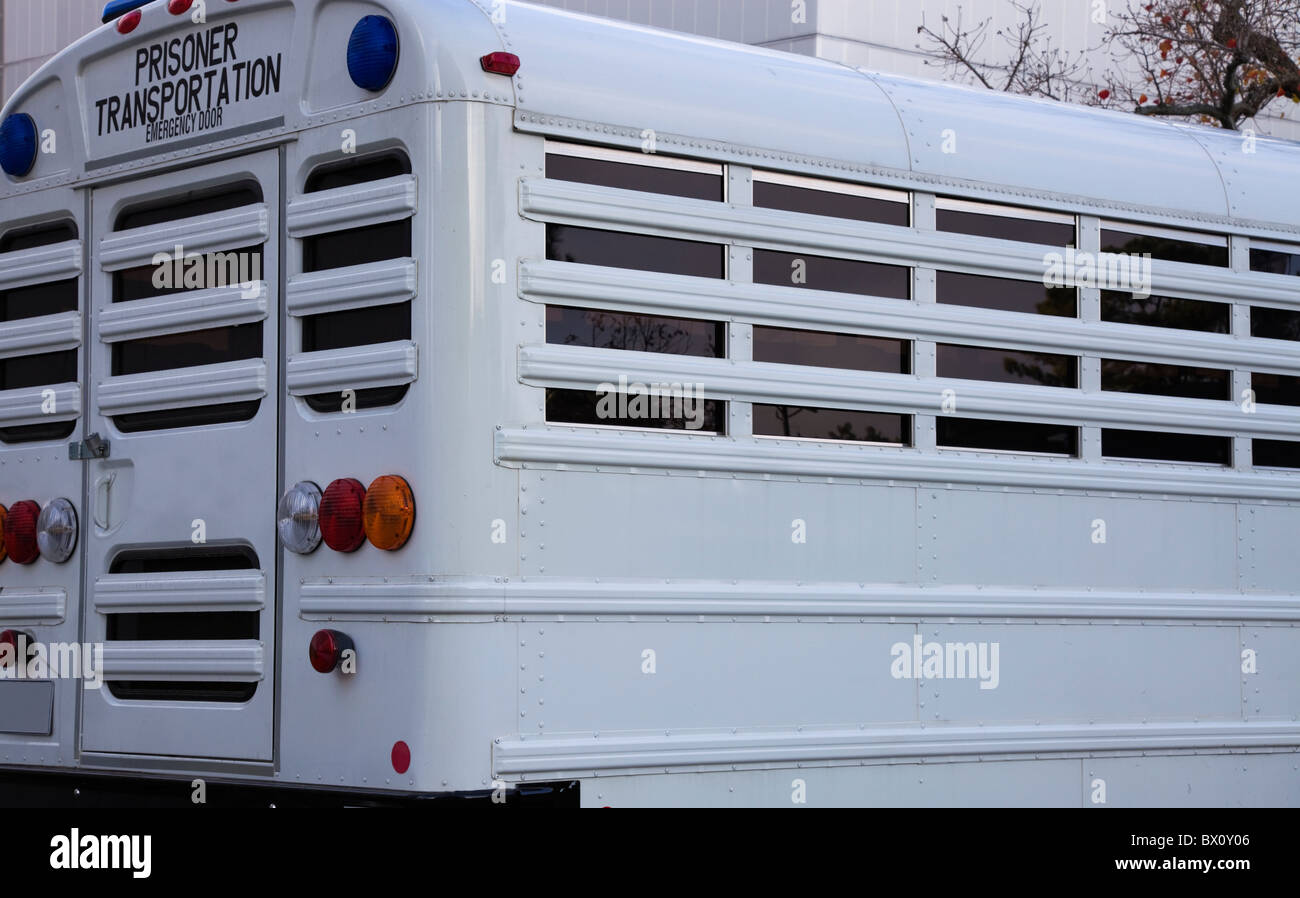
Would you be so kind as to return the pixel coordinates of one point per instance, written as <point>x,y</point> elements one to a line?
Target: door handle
<point>104,487</point>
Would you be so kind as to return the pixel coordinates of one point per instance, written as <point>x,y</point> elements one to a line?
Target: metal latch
<point>93,446</point>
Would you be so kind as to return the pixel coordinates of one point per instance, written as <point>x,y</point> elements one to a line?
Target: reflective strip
<point>229,230</point>
<point>352,368</point>
<point>181,591</point>
<point>42,264</point>
<point>354,206</point>
<point>616,289</point>
<point>19,408</point>
<point>689,219</point>
<point>48,333</point>
<point>178,313</point>
<point>183,387</point>
<point>355,287</point>
<point>39,605</point>
<point>237,660</point>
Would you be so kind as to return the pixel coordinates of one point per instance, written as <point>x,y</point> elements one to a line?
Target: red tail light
<point>327,648</point>
<point>341,524</point>
<point>20,532</point>
<point>500,63</point>
<point>128,22</point>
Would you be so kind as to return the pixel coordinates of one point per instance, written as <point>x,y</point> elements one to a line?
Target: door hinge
<point>93,446</point>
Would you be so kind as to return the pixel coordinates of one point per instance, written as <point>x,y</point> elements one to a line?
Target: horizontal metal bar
<point>584,368</point>
<point>32,605</point>
<point>608,448</point>
<point>553,754</point>
<point>233,660</point>
<point>39,405</point>
<point>590,286</point>
<point>183,387</point>
<point>179,313</point>
<point>424,597</point>
<point>40,265</point>
<point>355,287</point>
<point>647,213</point>
<point>352,368</point>
<point>355,206</point>
<point>227,231</point>
<point>183,591</point>
<point>48,333</point>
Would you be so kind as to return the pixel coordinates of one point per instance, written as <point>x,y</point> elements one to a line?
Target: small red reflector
<point>10,638</point>
<point>341,525</point>
<point>20,532</point>
<point>500,63</point>
<point>326,649</point>
<point>176,7</point>
<point>401,757</point>
<point>128,22</point>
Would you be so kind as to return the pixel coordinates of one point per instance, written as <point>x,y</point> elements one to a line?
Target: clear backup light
<point>56,531</point>
<point>298,518</point>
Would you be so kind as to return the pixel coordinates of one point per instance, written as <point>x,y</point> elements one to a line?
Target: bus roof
<point>602,81</point>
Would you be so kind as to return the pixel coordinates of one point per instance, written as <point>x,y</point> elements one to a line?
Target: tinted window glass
<point>1166,311</point>
<point>356,327</point>
<point>1275,262</point>
<point>1275,324</point>
<point>787,346</point>
<point>638,333</point>
<point>1170,248</point>
<point>1144,444</point>
<point>641,252</point>
<point>40,235</point>
<point>629,176</point>
<point>1276,453</point>
<point>1026,230</point>
<point>809,423</point>
<point>1006,294</point>
<point>370,397</point>
<point>836,275</point>
<point>1165,380</point>
<point>205,347</point>
<point>1006,436</point>
<point>1276,389</point>
<point>20,372</point>
<point>359,171</point>
<point>1007,365</point>
<point>198,416</point>
<point>189,205</point>
<point>358,246</point>
<point>33,433</point>
<point>663,411</point>
<point>830,203</point>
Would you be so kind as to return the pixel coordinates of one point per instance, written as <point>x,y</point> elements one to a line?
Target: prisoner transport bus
<point>403,399</point>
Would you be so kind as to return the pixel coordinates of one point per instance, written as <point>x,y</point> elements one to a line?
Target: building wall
<point>34,30</point>
<point>873,34</point>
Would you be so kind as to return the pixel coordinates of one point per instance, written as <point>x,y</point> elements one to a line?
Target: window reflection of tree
<point>1048,369</point>
<point>640,333</point>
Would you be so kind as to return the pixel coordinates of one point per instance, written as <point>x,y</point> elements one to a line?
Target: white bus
<point>403,399</point>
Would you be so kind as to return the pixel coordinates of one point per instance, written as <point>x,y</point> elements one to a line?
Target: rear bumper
<point>80,789</point>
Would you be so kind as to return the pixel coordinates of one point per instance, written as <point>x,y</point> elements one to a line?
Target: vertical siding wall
<point>32,31</point>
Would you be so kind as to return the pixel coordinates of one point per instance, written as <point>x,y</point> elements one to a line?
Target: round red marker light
<point>341,524</point>
<point>129,22</point>
<point>177,7</point>
<point>20,532</point>
<point>326,650</point>
<point>401,757</point>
